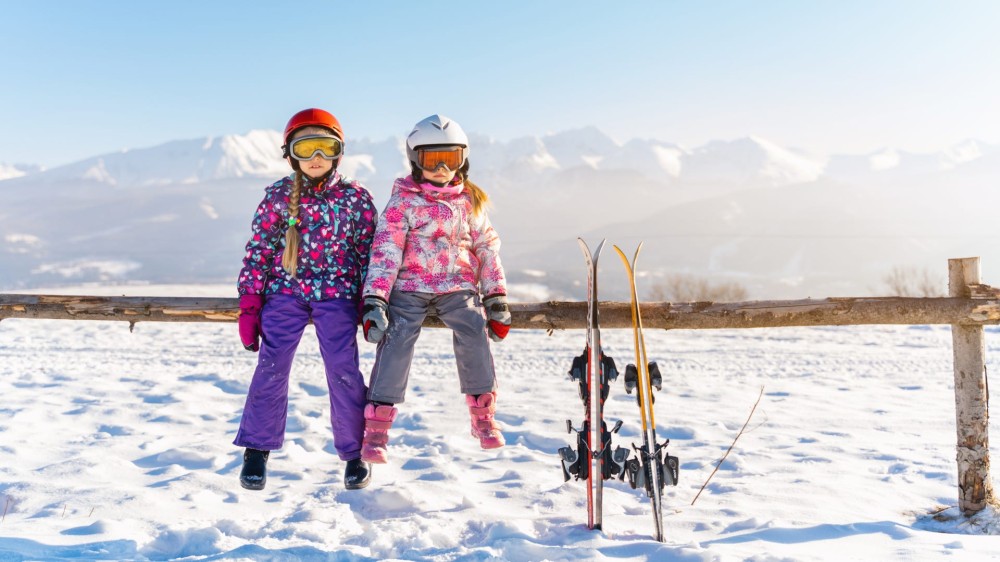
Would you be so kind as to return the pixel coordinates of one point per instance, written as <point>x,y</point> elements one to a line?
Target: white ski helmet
<point>435,130</point>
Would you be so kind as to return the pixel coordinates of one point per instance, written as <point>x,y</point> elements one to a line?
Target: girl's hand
<point>249,321</point>
<point>497,316</point>
<point>375,319</point>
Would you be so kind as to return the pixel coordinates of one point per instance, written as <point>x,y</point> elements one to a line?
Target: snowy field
<point>117,445</point>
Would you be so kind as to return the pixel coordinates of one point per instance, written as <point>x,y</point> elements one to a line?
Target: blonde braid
<point>290,258</point>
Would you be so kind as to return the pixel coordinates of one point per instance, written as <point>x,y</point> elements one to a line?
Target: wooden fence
<point>968,308</point>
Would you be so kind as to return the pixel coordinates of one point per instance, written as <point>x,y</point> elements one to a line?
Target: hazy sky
<point>82,78</point>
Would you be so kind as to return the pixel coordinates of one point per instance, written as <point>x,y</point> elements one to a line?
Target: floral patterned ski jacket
<point>431,242</point>
<point>336,222</point>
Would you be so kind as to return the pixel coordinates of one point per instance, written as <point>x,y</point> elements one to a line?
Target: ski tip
<point>585,250</point>
<point>600,247</point>
<point>635,256</point>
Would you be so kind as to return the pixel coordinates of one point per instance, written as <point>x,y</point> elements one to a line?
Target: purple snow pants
<point>283,320</point>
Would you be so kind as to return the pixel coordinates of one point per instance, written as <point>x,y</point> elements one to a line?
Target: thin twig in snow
<point>761,395</point>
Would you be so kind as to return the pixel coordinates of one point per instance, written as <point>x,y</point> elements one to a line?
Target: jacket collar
<point>321,185</point>
<point>453,189</point>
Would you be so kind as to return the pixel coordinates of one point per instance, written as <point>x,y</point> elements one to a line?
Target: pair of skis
<point>593,459</point>
<point>652,468</point>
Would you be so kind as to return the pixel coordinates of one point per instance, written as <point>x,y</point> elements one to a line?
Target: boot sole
<point>358,486</point>
<point>252,485</point>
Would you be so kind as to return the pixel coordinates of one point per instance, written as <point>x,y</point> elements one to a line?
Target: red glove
<point>249,321</point>
<point>497,316</point>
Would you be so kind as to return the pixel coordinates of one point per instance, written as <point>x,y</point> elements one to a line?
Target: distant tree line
<point>692,288</point>
<point>901,281</point>
<point>913,282</point>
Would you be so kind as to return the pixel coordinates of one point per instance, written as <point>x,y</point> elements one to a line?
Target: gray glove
<point>374,319</point>
<point>497,316</point>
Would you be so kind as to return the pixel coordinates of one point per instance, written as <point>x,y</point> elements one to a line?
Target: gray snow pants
<point>462,312</point>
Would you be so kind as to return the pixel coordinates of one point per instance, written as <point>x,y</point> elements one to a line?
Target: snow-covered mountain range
<point>8,171</point>
<point>747,161</point>
<point>783,222</point>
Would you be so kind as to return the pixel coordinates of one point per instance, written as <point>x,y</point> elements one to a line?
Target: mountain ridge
<point>781,221</point>
<point>749,160</point>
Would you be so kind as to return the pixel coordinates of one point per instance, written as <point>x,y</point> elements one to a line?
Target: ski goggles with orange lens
<point>305,148</point>
<point>452,157</point>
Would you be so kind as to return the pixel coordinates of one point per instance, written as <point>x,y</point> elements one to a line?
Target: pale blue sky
<point>825,76</point>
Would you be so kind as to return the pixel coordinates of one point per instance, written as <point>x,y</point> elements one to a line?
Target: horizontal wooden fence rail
<point>982,306</point>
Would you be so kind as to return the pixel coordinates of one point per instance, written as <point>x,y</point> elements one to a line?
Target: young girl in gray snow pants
<point>434,252</point>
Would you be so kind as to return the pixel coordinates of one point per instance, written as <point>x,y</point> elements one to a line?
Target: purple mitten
<point>249,321</point>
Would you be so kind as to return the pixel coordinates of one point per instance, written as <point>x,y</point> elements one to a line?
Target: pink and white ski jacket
<point>430,242</point>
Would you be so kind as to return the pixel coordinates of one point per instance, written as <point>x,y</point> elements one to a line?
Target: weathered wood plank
<point>559,315</point>
<point>975,486</point>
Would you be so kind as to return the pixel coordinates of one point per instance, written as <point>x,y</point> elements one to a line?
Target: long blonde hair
<point>290,257</point>
<point>480,200</point>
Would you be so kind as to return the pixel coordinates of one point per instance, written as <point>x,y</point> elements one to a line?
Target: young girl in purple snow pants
<point>306,260</point>
<point>435,252</point>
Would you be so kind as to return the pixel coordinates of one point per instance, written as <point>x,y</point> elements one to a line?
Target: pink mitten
<point>249,321</point>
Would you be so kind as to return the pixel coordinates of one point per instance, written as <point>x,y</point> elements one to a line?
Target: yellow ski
<point>652,468</point>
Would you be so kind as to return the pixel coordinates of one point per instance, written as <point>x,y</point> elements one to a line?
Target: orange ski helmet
<point>312,117</point>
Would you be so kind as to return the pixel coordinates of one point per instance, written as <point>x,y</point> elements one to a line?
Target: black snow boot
<point>254,473</point>
<point>357,474</point>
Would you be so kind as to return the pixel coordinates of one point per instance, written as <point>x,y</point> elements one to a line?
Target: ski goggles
<point>305,148</point>
<point>451,157</point>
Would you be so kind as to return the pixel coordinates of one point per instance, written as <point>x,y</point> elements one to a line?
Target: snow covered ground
<point>116,445</point>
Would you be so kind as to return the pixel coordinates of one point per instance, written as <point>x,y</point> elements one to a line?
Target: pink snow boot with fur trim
<point>483,426</point>
<point>378,420</point>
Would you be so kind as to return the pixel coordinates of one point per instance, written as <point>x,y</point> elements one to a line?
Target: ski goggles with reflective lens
<point>452,157</point>
<point>305,148</point>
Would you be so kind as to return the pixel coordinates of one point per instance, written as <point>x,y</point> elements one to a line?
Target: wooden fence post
<point>975,488</point>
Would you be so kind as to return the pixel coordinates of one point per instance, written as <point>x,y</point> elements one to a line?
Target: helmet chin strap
<point>436,187</point>
<point>418,175</point>
<point>320,180</point>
